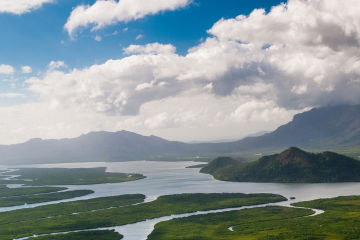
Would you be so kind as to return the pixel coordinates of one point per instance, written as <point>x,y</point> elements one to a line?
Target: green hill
<point>293,165</point>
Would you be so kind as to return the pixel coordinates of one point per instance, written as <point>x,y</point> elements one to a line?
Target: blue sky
<point>188,70</point>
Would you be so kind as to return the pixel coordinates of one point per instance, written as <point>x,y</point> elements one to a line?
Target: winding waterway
<point>164,178</point>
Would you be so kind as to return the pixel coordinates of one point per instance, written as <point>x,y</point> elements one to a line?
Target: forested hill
<point>292,165</point>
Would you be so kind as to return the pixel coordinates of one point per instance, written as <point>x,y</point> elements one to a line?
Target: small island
<point>197,166</point>
<point>89,235</point>
<point>40,183</point>
<point>68,176</point>
<point>291,166</point>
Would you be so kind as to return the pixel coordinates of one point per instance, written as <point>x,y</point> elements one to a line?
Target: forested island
<point>292,165</point>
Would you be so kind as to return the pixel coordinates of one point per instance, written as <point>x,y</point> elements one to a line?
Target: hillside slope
<point>292,165</point>
<point>320,128</point>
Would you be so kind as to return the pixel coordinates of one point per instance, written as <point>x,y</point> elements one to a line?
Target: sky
<point>187,70</point>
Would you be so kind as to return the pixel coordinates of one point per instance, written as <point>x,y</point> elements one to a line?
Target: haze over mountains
<point>328,128</point>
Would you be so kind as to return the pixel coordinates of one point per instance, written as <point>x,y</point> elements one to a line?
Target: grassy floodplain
<point>163,206</point>
<point>70,176</point>
<point>13,192</point>
<point>87,235</point>
<point>56,176</point>
<point>68,208</point>
<point>341,221</point>
<point>40,198</point>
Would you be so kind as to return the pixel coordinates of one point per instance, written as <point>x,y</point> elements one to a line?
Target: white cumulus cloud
<point>98,38</point>
<point>112,87</point>
<point>138,37</point>
<point>286,57</point>
<point>107,12</point>
<point>6,69</point>
<point>21,6</point>
<point>26,69</point>
<point>308,50</point>
<point>56,64</point>
<point>152,48</point>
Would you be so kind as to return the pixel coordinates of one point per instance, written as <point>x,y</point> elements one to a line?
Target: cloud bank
<point>251,73</point>
<point>300,54</point>
<point>106,12</point>
<point>21,6</point>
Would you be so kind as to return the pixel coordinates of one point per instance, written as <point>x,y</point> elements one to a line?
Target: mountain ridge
<point>335,128</point>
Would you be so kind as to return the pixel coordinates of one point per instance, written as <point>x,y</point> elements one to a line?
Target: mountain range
<point>335,128</point>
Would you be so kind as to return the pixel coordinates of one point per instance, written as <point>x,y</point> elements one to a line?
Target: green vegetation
<point>341,221</point>
<point>216,226</point>
<point>69,208</point>
<point>12,192</point>
<point>12,181</point>
<point>163,206</point>
<point>86,235</point>
<point>292,165</point>
<point>40,198</point>
<point>219,163</point>
<point>73,176</point>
